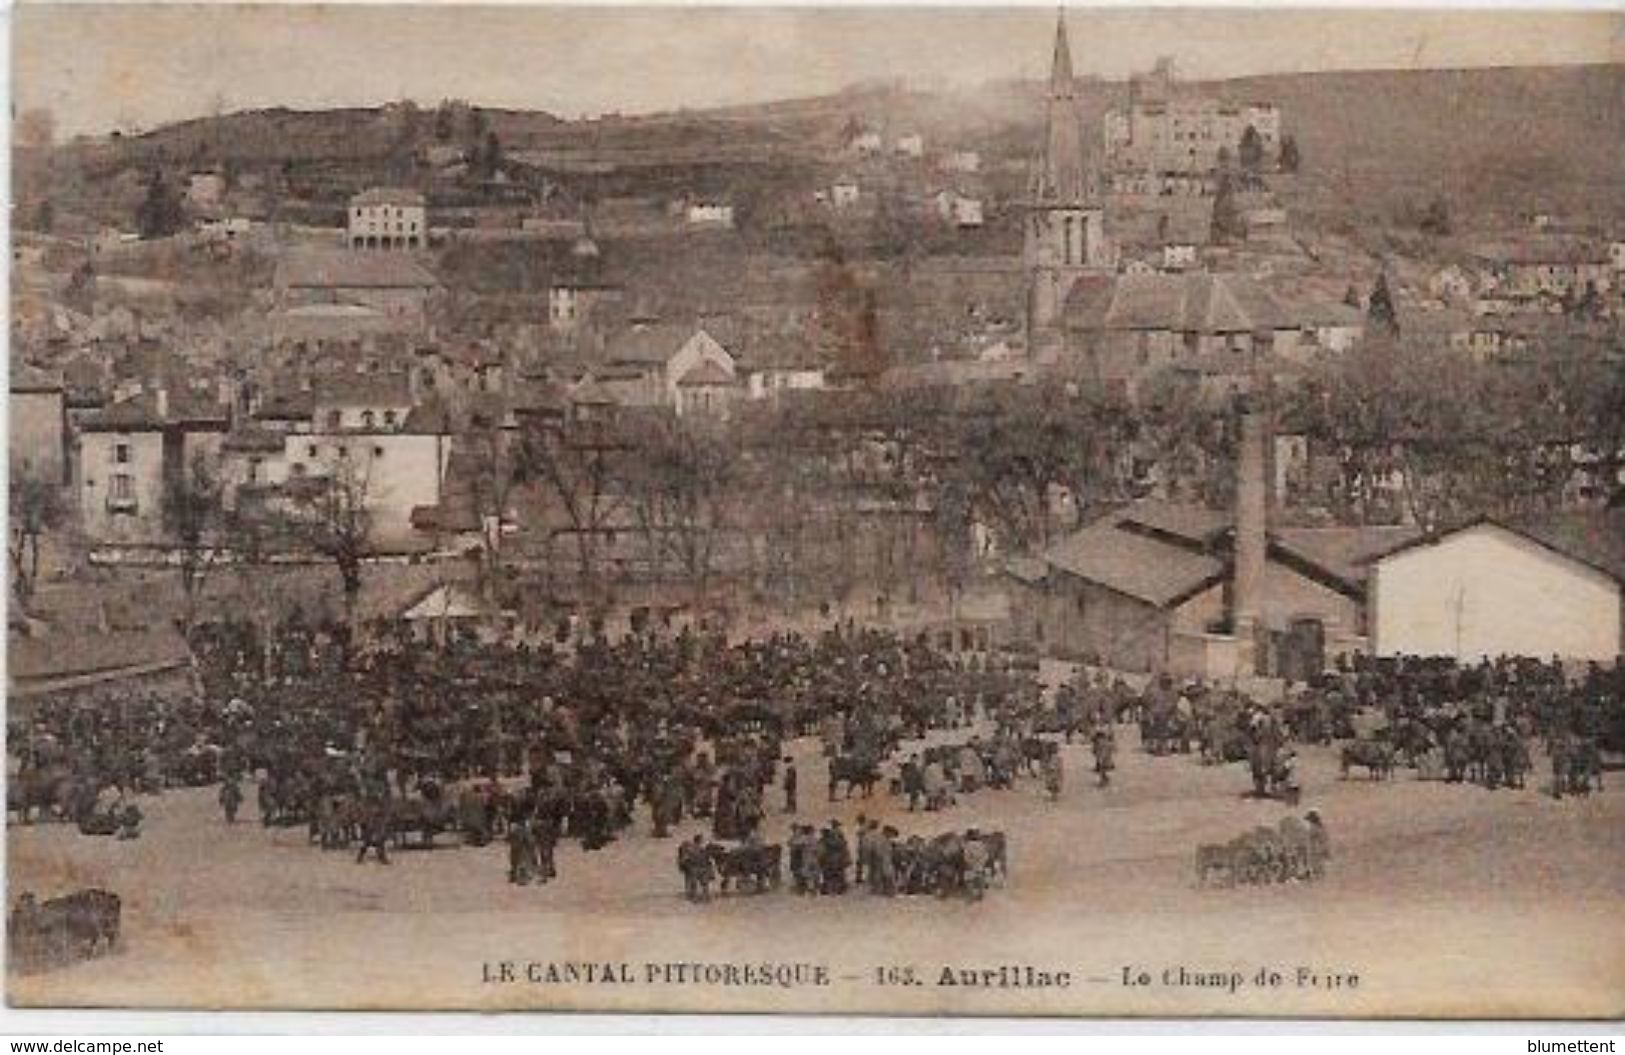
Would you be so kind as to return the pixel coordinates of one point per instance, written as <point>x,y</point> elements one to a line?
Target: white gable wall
<point>1487,591</point>
<point>698,350</point>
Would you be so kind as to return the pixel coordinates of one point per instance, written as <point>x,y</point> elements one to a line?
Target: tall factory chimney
<point>1252,524</point>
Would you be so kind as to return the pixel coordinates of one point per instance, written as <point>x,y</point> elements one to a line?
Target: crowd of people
<point>1451,721</point>
<point>378,741</point>
<point>375,741</point>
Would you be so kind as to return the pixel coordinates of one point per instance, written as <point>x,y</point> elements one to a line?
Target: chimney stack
<point>1252,524</point>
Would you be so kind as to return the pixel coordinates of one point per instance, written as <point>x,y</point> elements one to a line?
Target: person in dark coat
<point>375,833</point>
<point>789,785</point>
<point>913,778</point>
<point>665,804</point>
<point>544,831</point>
<point>231,799</point>
<point>521,851</point>
<point>834,858</point>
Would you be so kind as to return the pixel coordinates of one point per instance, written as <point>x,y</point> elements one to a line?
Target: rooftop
<point>379,389</point>
<point>388,196</point>
<point>707,373</point>
<point>1594,538</point>
<point>1133,565</point>
<point>341,269</point>
<point>651,344</point>
<point>143,413</point>
<point>1195,303</point>
<point>26,377</point>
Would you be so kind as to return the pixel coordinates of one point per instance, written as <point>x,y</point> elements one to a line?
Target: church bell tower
<point>1065,235</point>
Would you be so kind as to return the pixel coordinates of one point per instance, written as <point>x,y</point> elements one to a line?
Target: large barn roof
<point>1132,565</point>
<point>1595,539</point>
<point>1164,552</point>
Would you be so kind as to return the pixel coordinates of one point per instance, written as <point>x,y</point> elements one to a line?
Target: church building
<point>1065,235</point>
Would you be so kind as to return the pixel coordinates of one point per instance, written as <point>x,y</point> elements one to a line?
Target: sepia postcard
<point>971,511</point>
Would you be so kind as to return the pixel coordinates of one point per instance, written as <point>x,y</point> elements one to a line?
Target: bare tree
<point>337,522</point>
<point>781,476</point>
<point>257,533</point>
<point>493,474</point>
<point>682,486</point>
<point>35,509</point>
<point>578,467</point>
<point>194,511</point>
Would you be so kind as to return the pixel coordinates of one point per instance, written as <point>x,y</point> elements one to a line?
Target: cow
<point>1375,756</point>
<point>855,772</point>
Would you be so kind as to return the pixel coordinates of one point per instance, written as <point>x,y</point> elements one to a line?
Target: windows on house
<point>121,494</point>
<point>121,453</point>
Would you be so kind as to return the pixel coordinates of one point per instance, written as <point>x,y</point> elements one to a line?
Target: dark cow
<point>760,865</point>
<point>1375,756</point>
<point>62,930</point>
<point>855,772</point>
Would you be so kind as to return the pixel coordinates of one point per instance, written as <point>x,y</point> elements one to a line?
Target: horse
<point>855,772</point>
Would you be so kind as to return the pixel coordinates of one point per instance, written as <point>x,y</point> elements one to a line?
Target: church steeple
<point>1060,73</point>
<point>1061,177</point>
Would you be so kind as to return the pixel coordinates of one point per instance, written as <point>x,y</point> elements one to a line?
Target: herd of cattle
<point>392,744</point>
<point>887,864</point>
<point>1293,851</point>
<point>62,930</point>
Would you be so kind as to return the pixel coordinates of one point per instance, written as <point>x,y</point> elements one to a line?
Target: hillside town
<point>576,464</point>
<point>558,393</point>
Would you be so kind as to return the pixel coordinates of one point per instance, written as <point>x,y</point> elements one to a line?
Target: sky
<point>134,66</point>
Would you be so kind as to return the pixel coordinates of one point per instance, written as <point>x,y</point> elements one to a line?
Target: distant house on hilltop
<point>1546,268</point>
<point>1167,131</point>
<point>388,218</point>
<point>865,144</point>
<point>844,193</point>
<point>709,214</point>
<point>957,209</point>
